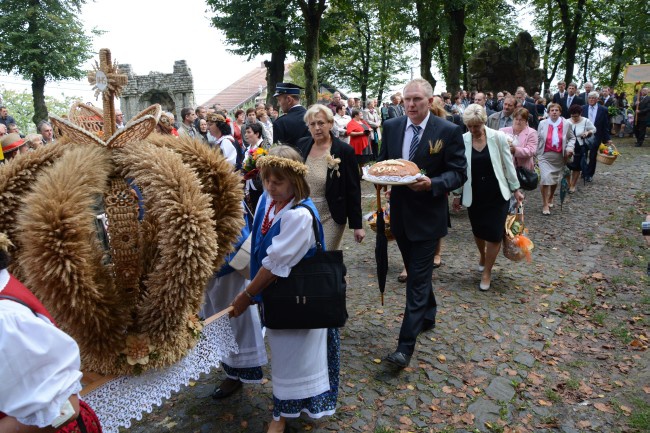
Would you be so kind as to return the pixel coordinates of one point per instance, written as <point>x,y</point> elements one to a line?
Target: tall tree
<point>427,17</point>
<point>254,28</point>
<point>369,53</point>
<point>572,14</point>
<point>42,40</point>
<point>312,13</point>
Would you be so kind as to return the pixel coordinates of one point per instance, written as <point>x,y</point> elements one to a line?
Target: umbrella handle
<point>378,188</point>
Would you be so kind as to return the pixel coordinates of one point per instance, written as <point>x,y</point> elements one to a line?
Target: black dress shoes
<point>399,359</point>
<point>227,388</point>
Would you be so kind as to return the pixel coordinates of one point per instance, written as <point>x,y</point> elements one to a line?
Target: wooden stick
<point>91,381</point>
<point>218,315</point>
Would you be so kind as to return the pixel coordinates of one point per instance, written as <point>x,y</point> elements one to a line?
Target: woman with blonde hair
<point>333,177</point>
<point>304,362</point>
<point>491,181</point>
<point>555,146</point>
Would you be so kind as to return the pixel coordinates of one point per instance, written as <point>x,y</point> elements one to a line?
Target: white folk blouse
<point>39,364</point>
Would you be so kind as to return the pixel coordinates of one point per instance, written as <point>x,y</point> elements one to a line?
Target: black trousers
<point>639,130</point>
<point>591,159</point>
<point>421,304</point>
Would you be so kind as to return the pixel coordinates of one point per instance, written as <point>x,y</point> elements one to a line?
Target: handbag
<point>528,179</point>
<point>312,296</point>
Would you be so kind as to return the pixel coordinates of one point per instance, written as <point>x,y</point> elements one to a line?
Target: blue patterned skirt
<point>322,404</point>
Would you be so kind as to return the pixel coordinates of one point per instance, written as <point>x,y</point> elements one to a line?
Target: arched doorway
<point>157,97</point>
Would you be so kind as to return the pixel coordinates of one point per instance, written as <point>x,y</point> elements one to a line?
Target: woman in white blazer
<point>554,147</point>
<point>491,181</point>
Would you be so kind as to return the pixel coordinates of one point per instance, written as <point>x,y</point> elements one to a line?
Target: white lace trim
<point>120,400</point>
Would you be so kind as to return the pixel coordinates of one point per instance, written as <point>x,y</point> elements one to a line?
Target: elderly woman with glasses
<point>554,147</point>
<point>333,177</point>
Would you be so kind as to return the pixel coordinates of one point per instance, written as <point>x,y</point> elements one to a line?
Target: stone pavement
<point>559,344</point>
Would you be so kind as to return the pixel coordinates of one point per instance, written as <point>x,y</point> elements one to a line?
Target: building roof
<point>243,90</point>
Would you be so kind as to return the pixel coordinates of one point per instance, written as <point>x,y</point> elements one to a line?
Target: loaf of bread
<point>394,167</point>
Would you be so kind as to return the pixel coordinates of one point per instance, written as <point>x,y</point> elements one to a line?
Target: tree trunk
<point>617,53</point>
<point>571,30</point>
<point>429,38</point>
<point>312,11</point>
<point>455,42</point>
<point>274,73</point>
<point>38,91</point>
<point>590,49</point>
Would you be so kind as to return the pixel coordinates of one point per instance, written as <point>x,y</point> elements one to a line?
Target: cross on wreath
<point>107,80</point>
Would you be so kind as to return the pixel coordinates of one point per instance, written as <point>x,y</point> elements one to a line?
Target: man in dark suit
<point>560,96</point>
<point>520,96</point>
<point>642,110</point>
<point>589,87</point>
<point>290,127</point>
<point>395,109</point>
<point>572,98</point>
<point>419,211</point>
<point>597,114</point>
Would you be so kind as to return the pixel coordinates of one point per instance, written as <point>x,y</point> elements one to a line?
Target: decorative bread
<point>394,167</point>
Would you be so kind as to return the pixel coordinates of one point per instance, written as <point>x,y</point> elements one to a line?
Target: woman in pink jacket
<point>523,146</point>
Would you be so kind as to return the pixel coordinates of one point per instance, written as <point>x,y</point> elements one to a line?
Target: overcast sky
<point>151,35</point>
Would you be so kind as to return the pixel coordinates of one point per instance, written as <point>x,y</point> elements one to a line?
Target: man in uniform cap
<point>290,127</point>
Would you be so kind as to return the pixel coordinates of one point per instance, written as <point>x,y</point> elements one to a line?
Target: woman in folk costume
<point>40,376</point>
<point>554,147</point>
<point>304,362</point>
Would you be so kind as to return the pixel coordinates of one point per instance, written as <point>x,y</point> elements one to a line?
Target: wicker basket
<point>607,159</point>
<point>373,226</point>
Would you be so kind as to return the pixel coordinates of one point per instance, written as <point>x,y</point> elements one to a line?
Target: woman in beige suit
<point>491,181</point>
<point>554,147</point>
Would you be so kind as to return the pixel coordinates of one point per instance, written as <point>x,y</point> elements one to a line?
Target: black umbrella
<point>381,246</point>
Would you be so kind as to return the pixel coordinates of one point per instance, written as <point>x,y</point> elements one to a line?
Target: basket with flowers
<point>250,163</point>
<point>607,154</point>
<point>372,221</point>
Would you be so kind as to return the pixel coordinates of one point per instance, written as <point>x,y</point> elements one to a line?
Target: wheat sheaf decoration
<point>119,237</point>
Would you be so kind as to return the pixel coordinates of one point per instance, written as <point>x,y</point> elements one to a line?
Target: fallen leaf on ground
<point>468,418</point>
<point>377,361</point>
<point>405,420</point>
<point>584,424</point>
<point>544,403</point>
<point>447,389</point>
<point>626,410</point>
<point>442,358</point>
<point>603,407</point>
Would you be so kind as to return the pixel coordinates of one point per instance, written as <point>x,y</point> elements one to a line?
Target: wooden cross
<point>107,79</point>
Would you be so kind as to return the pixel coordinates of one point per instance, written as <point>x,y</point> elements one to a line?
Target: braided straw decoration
<point>75,133</point>
<point>121,205</point>
<point>134,131</point>
<point>218,180</point>
<point>154,110</point>
<point>87,117</point>
<point>61,257</point>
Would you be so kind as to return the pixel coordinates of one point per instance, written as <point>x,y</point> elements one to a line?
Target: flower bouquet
<point>250,163</point>
<point>607,154</point>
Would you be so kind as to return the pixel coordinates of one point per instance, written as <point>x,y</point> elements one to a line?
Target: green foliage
<point>21,107</point>
<point>40,41</point>
<point>369,52</point>
<point>253,28</point>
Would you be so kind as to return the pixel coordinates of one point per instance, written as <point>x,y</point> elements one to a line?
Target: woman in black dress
<point>491,181</point>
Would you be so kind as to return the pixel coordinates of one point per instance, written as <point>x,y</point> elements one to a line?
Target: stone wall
<point>505,68</point>
<point>172,91</point>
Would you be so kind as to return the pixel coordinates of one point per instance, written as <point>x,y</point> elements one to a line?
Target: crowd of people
<point>467,145</point>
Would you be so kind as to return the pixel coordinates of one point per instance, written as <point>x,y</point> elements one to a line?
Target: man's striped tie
<point>414,141</point>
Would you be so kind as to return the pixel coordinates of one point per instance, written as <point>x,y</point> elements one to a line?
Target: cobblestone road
<point>556,345</point>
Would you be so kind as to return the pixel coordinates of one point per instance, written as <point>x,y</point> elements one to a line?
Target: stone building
<point>504,68</point>
<point>172,91</point>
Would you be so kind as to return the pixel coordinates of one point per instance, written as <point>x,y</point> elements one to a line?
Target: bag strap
<point>319,245</point>
<point>20,301</point>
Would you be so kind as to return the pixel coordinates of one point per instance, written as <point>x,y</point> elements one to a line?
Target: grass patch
<point>599,318</point>
<point>573,384</point>
<point>384,429</point>
<point>553,396</point>
<point>640,417</point>
<point>622,333</point>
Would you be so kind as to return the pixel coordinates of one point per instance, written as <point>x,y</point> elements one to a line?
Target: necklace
<point>267,223</point>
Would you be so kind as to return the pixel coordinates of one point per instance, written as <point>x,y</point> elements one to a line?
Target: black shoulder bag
<point>312,296</point>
